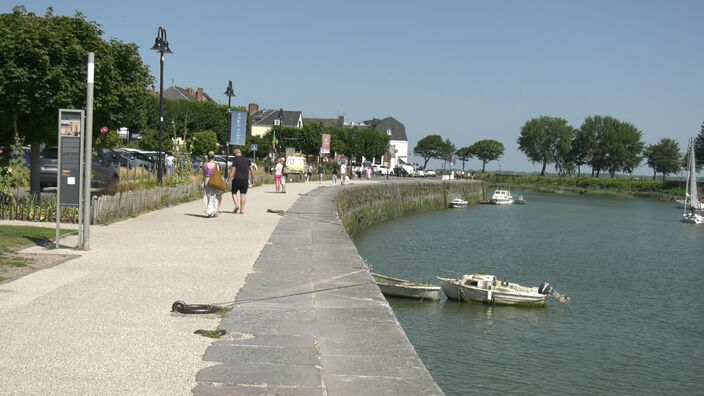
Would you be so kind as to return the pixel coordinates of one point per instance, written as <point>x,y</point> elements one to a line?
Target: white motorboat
<point>458,203</point>
<point>692,210</point>
<point>519,200</point>
<point>488,289</point>
<point>502,197</point>
<point>404,288</point>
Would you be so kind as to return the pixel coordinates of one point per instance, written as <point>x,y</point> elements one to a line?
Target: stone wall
<point>362,205</point>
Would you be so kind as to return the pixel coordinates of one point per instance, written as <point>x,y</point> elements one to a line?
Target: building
<point>337,122</point>
<point>264,120</point>
<point>398,141</point>
<point>178,93</point>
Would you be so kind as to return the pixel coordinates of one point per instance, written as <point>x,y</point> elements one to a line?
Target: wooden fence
<point>107,208</point>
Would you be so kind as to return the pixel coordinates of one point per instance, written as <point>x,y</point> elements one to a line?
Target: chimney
<point>341,121</point>
<point>253,108</point>
<point>199,95</point>
<point>189,91</point>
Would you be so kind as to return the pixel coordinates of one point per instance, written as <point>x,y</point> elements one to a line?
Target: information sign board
<point>69,157</point>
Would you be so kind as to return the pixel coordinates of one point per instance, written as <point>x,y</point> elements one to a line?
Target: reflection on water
<point>633,270</point>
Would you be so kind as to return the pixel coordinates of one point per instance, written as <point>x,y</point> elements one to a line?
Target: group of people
<point>239,179</point>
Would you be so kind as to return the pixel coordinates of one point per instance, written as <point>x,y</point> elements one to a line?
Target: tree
<point>372,143</point>
<point>699,148</point>
<point>43,68</point>
<point>487,150</point>
<point>203,141</point>
<point>543,140</point>
<point>623,148</point>
<point>429,147</point>
<point>465,154</point>
<point>108,140</point>
<point>664,157</point>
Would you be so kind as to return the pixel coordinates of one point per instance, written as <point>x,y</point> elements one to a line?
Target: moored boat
<point>458,203</point>
<point>488,289</point>
<point>502,197</point>
<point>692,210</point>
<point>405,288</point>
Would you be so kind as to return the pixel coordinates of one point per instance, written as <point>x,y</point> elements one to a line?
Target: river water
<point>635,273</point>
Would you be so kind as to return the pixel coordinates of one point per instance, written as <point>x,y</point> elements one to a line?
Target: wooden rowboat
<point>404,288</point>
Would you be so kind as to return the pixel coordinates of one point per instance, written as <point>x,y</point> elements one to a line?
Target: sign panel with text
<point>325,145</point>
<point>238,131</point>
<point>69,157</point>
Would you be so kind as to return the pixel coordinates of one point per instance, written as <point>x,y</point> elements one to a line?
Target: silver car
<point>104,173</point>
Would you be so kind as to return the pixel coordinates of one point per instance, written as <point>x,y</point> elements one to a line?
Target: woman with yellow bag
<point>213,186</point>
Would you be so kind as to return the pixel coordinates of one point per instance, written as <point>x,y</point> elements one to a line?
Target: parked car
<point>419,173</point>
<point>104,173</point>
<point>381,170</point>
<point>124,158</point>
<point>430,173</point>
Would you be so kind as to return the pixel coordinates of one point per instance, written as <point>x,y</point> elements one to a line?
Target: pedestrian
<point>284,177</point>
<point>321,172</point>
<point>309,172</point>
<point>241,173</point>
<point>212,196</point>
<point>334,175</point>
<point>169,163</point>
<point>278,173</point>
<point>343,173</point>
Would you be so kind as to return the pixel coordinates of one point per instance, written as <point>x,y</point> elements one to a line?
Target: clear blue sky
<point>466,70</point>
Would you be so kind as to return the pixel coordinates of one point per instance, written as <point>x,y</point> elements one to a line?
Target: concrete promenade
<point>101,323</point>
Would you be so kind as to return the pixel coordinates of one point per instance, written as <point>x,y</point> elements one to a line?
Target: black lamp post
<point>230,93</point>
<point>161,45</point>
<point>281,121</point>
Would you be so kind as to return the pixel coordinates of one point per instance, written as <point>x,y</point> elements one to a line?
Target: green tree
<point>150,141</point>
<point>43,68</point>
<point>487,150</point>
<point>203,141</point>
<point>699,148</point>
<point>465,154</point>
<point>542,139</point>
<point>108,140</point>
<point>431,146</point>
<point>446,150</point>
<point>664,157</point>
<point>371,143</point>
<point>622,148</point>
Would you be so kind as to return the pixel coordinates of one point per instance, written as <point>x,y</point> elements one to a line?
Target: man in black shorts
<point>241,173</point>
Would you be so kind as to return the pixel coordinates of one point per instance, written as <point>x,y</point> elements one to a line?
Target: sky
<point>465,70</point>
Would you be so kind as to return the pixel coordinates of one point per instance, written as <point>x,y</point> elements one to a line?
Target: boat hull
<point>500,295</point>
<point>407,289</point>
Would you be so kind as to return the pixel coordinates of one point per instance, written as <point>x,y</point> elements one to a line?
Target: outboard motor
<point>546,289</point>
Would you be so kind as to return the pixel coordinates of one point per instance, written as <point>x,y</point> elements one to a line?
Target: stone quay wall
<point>362,205</point>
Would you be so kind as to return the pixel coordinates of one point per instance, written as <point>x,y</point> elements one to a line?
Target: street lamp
<point>161,45</point>
<point>230,93</point>
<point>281,121</point>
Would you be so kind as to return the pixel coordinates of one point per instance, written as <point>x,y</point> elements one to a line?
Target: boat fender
<point>489,296</point>
<point>545,288</point>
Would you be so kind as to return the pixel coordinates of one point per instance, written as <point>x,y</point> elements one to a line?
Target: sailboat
<point>692,210</point>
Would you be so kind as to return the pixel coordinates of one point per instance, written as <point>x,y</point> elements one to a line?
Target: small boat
<point>502,197</point>
<point>519,200</point>
<point>458,203</point>
<point>404,288</point>
<point>488,289</point>
<point>692,210</point>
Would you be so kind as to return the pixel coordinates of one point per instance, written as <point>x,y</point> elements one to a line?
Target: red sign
<point>325,146</point>
<point>104,130</point>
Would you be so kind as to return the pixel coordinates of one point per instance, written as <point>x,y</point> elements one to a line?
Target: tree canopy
<point>465,154</point>
<point>664,157</point>
<point>43,68</point>
<point>487,150</point>
<point>431,146</point>
<point>544,140</point>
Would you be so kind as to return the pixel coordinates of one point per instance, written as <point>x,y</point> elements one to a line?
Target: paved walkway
<point>101,323</point>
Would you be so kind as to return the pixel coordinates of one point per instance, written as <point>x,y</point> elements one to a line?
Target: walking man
<point>343,173</point>
<point>241,173</point>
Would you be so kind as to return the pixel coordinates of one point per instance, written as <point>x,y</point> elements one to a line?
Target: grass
<point>15,237</point>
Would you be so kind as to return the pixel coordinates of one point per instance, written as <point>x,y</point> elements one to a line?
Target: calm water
<point>635,273</point>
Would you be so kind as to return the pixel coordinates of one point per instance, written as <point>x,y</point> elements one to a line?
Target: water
<point>635,273</point>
